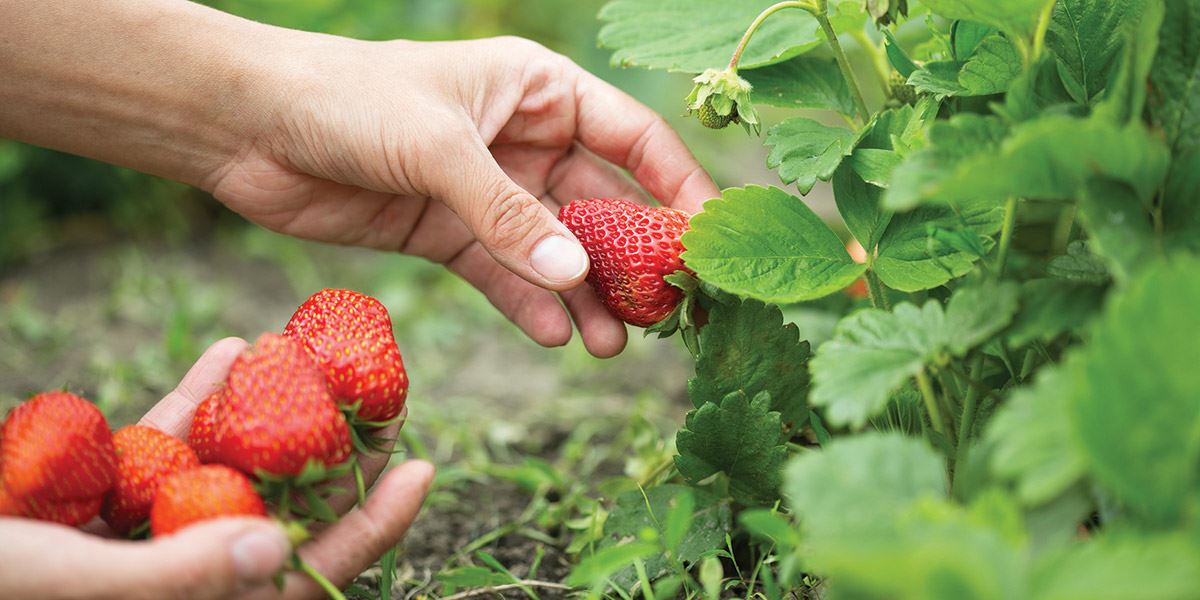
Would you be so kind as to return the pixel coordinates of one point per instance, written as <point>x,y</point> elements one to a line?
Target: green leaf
<point>1049,158</point>
<point>857,183</point>
<point>858,201</point>
<point>911,258</point>
<point>1050,307</point>
<point>767,244</point>
<point>1017,18</point>
<point>991,69</point>
<point>1181,201</point>
<point>695,519</point>
<point>1135,408</point>
<point>805,151</point>
<point>873,352</point>
<point>594,570</point>
<point>746,346</point>
<point>1118,566</point>
<point>873,166</point>
<point>1079,264</point>
<point>1119,227</point>
<point>1032,441</point>
<point>896,55</point>
<point>694,35</point>
<point>965,37</point>
<point>951,143</point>
<point>802,82</point>
<point>740,437</point>
<point>857,485</point>
<point>939,78</point>
<point>1175,76</point>
<point>1086,37</point>
<point>1125,95</point>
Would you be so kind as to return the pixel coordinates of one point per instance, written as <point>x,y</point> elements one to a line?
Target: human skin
<point>223,558</point>
<point>459,152</point>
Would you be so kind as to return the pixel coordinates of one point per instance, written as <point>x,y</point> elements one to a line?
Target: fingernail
<point>258,555</point>
<point>559,259</point>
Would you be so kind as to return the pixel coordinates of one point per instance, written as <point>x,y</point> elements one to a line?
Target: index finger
<point>626,132</point>
<point>173,414</point>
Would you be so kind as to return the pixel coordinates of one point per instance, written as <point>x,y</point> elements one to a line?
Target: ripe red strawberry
<point>57,448</point>
<point>9,507</point>
<point>200,438</point>
<point>275,412</point>
<point>350,337</point>
<point>145,456</point>
<point>631,247</point>
<point>200,494</point>
<point>67,512</point>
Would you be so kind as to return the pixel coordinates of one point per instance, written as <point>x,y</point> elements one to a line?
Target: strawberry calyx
<point>683,318</point>
<point>303,495</point>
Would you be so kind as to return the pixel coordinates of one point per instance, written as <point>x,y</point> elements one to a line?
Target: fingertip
<point>606,341</point>
<point>560,260</point>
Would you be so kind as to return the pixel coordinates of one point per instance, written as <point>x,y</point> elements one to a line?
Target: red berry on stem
<point>632,247</point>
<point>200,494</point>
<point>349,335</point>
<point>145,457</point>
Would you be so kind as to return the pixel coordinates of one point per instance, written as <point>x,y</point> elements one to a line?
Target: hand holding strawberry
<point>225,558</point>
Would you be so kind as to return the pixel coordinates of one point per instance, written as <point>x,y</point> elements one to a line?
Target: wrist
<point>162,86</point>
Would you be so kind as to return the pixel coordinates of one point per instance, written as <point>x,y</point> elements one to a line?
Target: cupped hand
<point>460,152</point>
<point>222,558</point>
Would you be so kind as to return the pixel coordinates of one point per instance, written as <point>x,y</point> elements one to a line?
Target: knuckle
<point>511,217</point>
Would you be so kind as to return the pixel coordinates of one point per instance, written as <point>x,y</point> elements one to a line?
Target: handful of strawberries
<point>273,437</point>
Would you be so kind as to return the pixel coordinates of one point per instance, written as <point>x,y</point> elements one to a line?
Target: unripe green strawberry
<point>710,118</point>
<point>275,413</point>
<point>145,457</point>
<point>900,90</point>
<point>57,458</point>
<point>200,494</point>
<point>349,335</point>
<point>632,247</point>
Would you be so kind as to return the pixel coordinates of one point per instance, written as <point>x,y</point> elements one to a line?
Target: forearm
<point>163,86</point>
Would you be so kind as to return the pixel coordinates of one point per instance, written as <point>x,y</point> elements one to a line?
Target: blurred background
<point>112,283</point>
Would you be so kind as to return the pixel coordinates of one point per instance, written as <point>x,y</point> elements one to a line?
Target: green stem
<point>843,63</point>
<point>970,410</point>
<point>1006,233</point>
<point>1027,365</point>
<point>878,59</point>
<point>325,584</point>
<point>1039,34</point>
<point>931,404</point>
<point>758,21</point>
<point>1062,230</point>
<point>875,291</point>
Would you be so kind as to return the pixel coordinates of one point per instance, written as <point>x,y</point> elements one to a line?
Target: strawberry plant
<point>1013,411</point>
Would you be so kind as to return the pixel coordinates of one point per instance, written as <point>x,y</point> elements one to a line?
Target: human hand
<point>460,152</point>
<point>222,558</point>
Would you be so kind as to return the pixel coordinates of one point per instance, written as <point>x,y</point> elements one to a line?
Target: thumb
<point>215,559</point>
<point>515,228</point>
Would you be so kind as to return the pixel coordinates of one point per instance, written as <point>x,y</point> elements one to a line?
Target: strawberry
<point>145,456</point>
<point>631,246</point>
<point>67,512</point>
<point>350,337</point>
<point>9,506</point>
<point>200,438</point>
<point>57,457</point>
<point>275,413</point>
<point>200,494</point>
